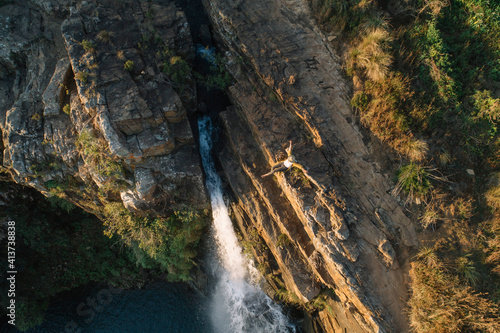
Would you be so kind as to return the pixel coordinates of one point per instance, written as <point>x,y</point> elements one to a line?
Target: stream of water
<point>235,303</point>
<point>238,304</point>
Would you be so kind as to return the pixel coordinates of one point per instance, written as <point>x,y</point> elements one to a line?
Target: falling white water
<point>238,305</point>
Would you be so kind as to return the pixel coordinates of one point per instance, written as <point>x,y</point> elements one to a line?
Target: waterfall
<point>238,305</point>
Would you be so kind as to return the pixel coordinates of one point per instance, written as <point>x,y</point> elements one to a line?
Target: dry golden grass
<point>416,150</point>
<point>371,53</point>
<point>430,216</point>
<point>120,55</point>
<point>434,6</point>
<point>105,36</point>
<point>493,197</point>
<point>380,106</point>
<point>494,247</point>
<point>439,303</point>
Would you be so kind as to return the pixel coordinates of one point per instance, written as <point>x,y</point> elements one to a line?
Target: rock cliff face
<point>344,230</point>
<point>87,113</point>
<point>86,110</point>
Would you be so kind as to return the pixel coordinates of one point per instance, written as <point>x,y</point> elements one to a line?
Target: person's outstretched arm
<point>289,149</point>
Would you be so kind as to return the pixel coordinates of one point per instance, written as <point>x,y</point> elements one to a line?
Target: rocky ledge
<point>87,112</point>
<point>343,231</point>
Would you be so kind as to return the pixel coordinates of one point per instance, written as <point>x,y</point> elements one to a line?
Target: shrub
<point>36,117</point>
<point>129,65</point>
<point>105,36</point>
<point>360,100</point>
<point>67,109</point>
<point>414,180</point>
<point>88,45</point>
<point>95,153</point>
<point>170,241</point>
<point>61,203</point>
<point>82,76</point>
<point>487,107</point>
<point>218,76</point>
<point>176,68</point>
<point>120,55</point>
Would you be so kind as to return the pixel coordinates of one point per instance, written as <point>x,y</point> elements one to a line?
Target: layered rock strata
<point>345,231</point>
<point>87,110</point>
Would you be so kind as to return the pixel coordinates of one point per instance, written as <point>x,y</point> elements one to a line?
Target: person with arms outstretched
<point>284,165</point>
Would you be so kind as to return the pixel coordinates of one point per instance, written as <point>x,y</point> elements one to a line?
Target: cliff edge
<point>343,230</point>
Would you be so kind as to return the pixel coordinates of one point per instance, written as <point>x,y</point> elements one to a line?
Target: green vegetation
<point>56,190</point>
<point>218,77</point>
<point>414,179</point>
<point>180,72</point>
<point>88,45</point>
<point>283,240</point>
<point>105,36</point>
<point>177,69</point>
<point>171,242</point>
<point>288,297</point>
<point>252,242</point>
<point>96,154</point>
<point>82,76</point>
<point>426,82</point>
<point>320,302</point>
<point>67,109</point>
<point>167,243</point>
<point>129,65</point>
<point>57,250</point>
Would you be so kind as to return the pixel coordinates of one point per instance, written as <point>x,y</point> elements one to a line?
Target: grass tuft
<point>414,180</point>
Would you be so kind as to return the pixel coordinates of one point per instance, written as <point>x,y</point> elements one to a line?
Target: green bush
<point>82,76</point>
<point>67,109</point>
<point>95,153</point>
<point>359,100</point>
<point>129,65</point>
<point>176,68</point>
<point>88,45</point>
<point>170,241</point>
<point>414,180</point>
<point>218,77</point>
